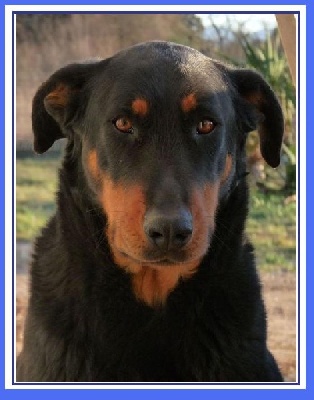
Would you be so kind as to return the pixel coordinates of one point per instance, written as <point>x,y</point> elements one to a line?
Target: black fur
<point>84,323</point>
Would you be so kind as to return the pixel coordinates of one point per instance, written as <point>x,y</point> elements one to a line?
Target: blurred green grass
<point>271,225</point>
<point>36,184</point>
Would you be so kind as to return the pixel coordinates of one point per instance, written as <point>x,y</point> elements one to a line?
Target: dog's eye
<point>205,126</point>
<point>123,124</point>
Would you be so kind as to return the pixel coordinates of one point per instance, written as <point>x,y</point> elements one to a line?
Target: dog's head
<point>162,132</point>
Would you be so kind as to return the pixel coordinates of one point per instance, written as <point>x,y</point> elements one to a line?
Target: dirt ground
<point>280,300</point>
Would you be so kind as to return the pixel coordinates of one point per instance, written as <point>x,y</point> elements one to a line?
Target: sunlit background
<point>249,23</point>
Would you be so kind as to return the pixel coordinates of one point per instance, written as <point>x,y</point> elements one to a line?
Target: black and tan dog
<point>145,273</point>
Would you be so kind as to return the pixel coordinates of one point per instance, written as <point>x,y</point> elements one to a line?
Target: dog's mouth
<point>162,261</point>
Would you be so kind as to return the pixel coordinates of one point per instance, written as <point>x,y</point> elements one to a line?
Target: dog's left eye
<point>205,126</point>
<point>123,125</point>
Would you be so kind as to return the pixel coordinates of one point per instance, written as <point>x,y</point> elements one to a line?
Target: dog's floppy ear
<point>254,89</point>
<point>56,102</point>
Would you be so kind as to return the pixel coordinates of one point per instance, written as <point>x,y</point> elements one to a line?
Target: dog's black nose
<point>168,231</point>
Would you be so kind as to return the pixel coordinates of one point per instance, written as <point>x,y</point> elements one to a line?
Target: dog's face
<point>161,130</point>
<point>159,152</point>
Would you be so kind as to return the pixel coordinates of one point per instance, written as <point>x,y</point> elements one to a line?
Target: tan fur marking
<point>140,107</point>
<point>125,209</point>
<point>59,97</point>
<point>189,102</point>
<point>152,285</point>
<point>92,164</point>
<point>227,170</point>
<point>204,206</point>
<point>255,98</point>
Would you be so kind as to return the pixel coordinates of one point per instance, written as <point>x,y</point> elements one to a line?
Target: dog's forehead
<point>161,51</point>
<point>165,60</point>
<point>168,65</point>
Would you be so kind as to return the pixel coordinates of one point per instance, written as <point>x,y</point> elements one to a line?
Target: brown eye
<point>206,126</point>
<point>123,125</point>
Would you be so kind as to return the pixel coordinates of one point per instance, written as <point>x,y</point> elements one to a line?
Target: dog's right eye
<point>205,126</point>
<point>123,124</point>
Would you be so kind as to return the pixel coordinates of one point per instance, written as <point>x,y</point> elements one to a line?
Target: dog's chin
<point>167,261</point>
<point>162,263</point>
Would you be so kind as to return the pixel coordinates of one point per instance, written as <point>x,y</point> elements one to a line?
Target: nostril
<point>159,237</point>
<point>182,237</point>
<point>155,235</point>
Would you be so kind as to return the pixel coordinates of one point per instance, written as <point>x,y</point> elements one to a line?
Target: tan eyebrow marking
<point>189,102</point>
<point>140,107</point>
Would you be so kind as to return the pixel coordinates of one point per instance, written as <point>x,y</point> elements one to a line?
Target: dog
<point>144,273</point>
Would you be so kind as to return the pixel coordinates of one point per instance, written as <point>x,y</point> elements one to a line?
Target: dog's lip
<point>150,261</point>
<point>165,261</point>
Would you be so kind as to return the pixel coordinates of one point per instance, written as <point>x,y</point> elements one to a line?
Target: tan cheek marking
<point>59,97</point>
<point>211,195</point>
<point>140,107</point>
<point>125,209</point>
<point>188,103</point>
<point>92,164</point>
<point>203,206</point>
<point>227,170</point>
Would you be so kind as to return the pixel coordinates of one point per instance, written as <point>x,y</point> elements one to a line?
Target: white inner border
<point>10,208</point>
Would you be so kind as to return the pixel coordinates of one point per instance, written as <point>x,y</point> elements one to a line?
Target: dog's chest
<point>139,345</point>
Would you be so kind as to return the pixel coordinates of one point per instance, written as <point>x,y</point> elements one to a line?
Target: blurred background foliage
<point>45,42</point>
<point>269,59</point>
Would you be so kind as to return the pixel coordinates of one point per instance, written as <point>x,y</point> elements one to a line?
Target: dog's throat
<point>152,285</point>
